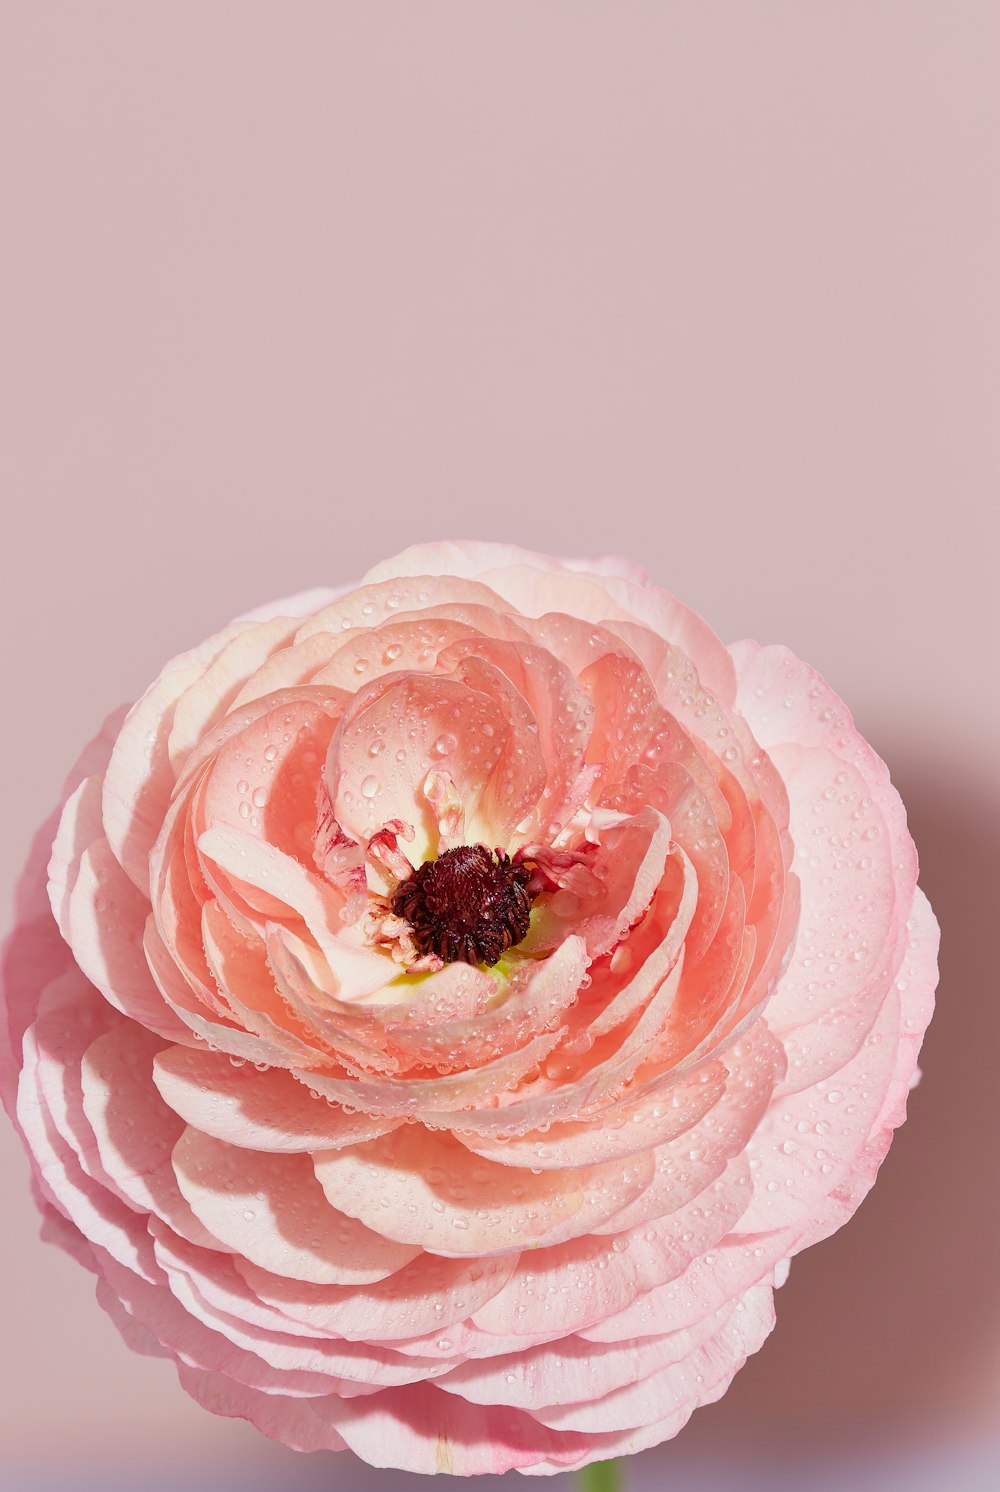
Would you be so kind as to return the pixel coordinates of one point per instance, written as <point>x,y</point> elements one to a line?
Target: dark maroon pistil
<point>471,903</point>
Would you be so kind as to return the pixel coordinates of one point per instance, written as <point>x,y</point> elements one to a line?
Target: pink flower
<point>475,987</point>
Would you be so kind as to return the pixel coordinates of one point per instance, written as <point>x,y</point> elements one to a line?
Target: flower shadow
<point>893,1324</point>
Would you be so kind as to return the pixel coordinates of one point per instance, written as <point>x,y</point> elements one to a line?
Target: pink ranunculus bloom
<point>473,988</point>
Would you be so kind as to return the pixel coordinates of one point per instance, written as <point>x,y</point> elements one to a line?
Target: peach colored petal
<point>815,717</point>
<point>730,1268</point>
<point>743,772</point>
<point>535,592</point>
<point>411,642</point>
<point>669,789</point>
<point>558,711</point>
<point>214,1293</point>
<point>589,1280</point>
<point>140,778</point>
<point>297,1423</point>
<point>440,1099</point>
<point>531,998</point>
<point>245,980</point>
<point>260,781</point>
<point>428,1431</point>
<point>445,561</point>
<point>317,700</point>
<point>178,891</point>
<point>634,858</point>
<point>624,981</point>
<point>372,603</point>
<point>268,1208</point>
<point>104,920</point>
<point>685,1166</point>
<point>80,824</point>
<point>439,722</point>
<point>851,926</point>
<point>680,1383</point>
<point>573,1371</point>
<point>195,1344</point>
<point>70,1015</point>
<point>915,985</point>
<point>429,1294</point>
<point>796,1166</point>
<point>219,1036</point>
<point>711,988</point>
<point>457,1018</point>
<point>346,1027</point>
<point>98,1214</point>
<point>425,1188</point>
<point>458,992</point>
<point>134,1131</point>
<point>206,701</point>
<point>290,667</point>
<point>571,1089</point>
<point>512,792</point>
<point>660,1114</point>
<point>271,884</point>
<point>267,1111</point>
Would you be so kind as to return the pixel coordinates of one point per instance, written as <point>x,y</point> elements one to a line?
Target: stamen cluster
<point>471,903</point>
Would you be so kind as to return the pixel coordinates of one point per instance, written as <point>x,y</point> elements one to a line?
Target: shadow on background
<point>891,1329</point>
<point>896,1319</point>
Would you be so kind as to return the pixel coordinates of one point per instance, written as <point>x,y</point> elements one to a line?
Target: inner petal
<point>395,733</point>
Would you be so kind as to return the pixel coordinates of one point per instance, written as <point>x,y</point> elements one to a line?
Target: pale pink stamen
<point>340,859</point>
<point>446,805</point>
<point>384,851</point>
<point>555,869</point>
<point>385,930</point>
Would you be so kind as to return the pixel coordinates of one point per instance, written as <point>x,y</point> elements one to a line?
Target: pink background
<point>289,286</point>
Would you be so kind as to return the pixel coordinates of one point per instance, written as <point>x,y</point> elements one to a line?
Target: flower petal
<point>268,1208</point>
<point>231,1100</point>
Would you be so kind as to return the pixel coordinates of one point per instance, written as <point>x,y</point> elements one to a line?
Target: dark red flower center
<point>471,903</point>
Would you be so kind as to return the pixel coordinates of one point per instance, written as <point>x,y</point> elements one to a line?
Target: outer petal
<point>595,590</point>
<point>427,1295</point>
<point>269,1209</point>
<point>421,1187</point>
<point>268,1111</point>
<point>854,857</point>
<point>133,1130</point>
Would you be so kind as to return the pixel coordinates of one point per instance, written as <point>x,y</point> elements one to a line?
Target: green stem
<point>601,1476</point>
